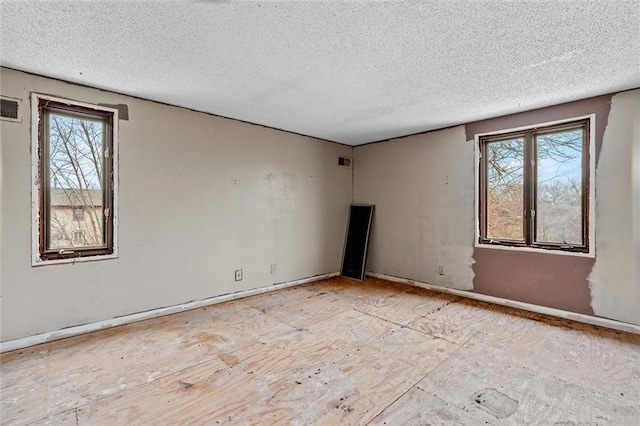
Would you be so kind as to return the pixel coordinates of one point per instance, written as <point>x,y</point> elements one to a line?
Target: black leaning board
<point>355,250</point>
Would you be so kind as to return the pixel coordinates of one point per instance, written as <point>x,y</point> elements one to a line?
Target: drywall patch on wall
<point>458,262</point>
<point>615,278</point>
<point>423,194</point>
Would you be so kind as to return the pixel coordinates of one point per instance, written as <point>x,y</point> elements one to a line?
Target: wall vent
<point>344,161</point>
<point>10,109</point>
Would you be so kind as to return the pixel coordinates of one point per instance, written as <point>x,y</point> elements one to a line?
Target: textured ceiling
<point>350,72</point>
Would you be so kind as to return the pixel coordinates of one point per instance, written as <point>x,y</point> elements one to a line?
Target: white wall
<point>423,189</point>
<point>615,277</point>
<point>200,196</point>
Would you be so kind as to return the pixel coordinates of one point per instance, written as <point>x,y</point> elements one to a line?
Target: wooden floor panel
<point>305,311</point>
<point>491,390</point>
<point>404,308</point>
<point>95,365</point>
<point>337,351</point>
<point>457,320</point>
<point>418,408</point>
<point>603,360</point>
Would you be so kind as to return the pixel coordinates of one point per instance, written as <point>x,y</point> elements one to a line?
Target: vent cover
<point>10,109</point>
<point>344,161</point>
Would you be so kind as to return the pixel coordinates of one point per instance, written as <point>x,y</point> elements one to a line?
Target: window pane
<point>559,204</point>
<point>75,182</point>
<point>504,200</point>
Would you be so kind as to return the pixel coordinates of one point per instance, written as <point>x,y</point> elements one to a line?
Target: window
<point>75,180</point>
<point>78,213</point>
<point>78,238</point>
<point>534,188</point>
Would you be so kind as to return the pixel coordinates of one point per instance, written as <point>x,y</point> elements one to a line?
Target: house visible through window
<point>78,213</point>
<point>75,179</point>
<point>78,238</point>
<point>534,188</point>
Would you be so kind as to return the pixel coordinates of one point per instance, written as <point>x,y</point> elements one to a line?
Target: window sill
<point>40,262</point>
<point>590,254</point>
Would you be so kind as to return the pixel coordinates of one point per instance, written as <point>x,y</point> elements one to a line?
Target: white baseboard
<point>587,319</point>
<point>11,345</point>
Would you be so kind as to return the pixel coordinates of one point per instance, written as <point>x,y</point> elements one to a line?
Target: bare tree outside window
<point>559,187</point>
<point>75,162</point>
<point>505,198</point>
<point>534,188</point>
<point>76,185</point>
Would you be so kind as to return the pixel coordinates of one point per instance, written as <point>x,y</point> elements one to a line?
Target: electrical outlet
<point>238,274</point>
<point>441,270</point>
<point>273,268</point>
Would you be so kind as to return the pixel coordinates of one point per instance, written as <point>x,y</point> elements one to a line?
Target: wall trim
<point>24,342</point>
<point>587,319</point>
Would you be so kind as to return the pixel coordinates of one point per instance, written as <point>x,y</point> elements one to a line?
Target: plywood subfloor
<point>332,352</point>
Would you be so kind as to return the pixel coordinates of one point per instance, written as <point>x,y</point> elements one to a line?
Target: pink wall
<point>551,280</point>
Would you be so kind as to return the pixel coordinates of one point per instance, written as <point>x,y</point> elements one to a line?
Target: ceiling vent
<point>344,161</point>
<point>10,109</point>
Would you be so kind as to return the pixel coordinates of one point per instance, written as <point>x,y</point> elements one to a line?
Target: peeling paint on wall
<point>459,262</point>
<point>545,279</point>
<point>615,278</point>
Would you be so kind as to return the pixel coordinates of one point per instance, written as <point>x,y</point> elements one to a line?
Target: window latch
<point>63,251</point>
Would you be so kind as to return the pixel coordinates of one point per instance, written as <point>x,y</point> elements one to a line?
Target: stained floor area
<point>332,352</point>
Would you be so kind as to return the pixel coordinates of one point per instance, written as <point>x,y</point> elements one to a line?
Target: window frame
<point>529,242</point>
<point>40,180</point>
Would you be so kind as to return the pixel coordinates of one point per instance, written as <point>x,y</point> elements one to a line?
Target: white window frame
<point>592,188</point>
<point>36,259</point>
